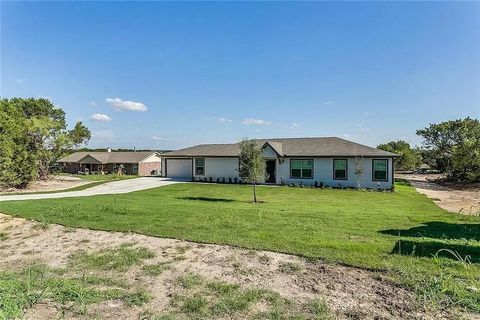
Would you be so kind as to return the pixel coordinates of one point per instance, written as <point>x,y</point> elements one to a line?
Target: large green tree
<point>44,134</point>
<point>252,165</point>
<point>17,162</point>
<point>409,158</point>
<point>453,147</point>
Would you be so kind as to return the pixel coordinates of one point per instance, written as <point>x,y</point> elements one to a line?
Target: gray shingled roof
<point>109,157</point>
<point>289,147</point>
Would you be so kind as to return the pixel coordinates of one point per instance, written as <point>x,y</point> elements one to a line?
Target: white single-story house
<point>327,161</point>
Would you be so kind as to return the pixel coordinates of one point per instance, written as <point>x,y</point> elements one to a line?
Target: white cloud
<point>100,117</point>
<point>20,80</point>
<point>120,104</point>
<point>157,138</point>
<point>327,103</point>
<point>259,122</point>
<point>224,120</point>
<point>347,135</point>
<point>93,103</point>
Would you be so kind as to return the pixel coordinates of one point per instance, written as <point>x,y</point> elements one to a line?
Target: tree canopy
<point>409,158</point>
<point>453,147</point>
<point>33,136</point>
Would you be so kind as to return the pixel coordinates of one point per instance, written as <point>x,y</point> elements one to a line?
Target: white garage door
<point>179,168</point>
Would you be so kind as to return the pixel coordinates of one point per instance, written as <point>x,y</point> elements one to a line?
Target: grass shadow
<point>402,182</point>
<point>431,249</point>
<point>207,199</point>
<point>439,230</point>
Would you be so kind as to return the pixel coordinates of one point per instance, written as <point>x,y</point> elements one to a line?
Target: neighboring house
<point>329,161</point>
<point>140,162</point>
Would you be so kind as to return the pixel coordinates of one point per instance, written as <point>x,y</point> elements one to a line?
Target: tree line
<point>452,147</point>
<point>33,136</point>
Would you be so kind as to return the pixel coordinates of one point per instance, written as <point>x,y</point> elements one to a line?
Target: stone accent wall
<point>146,168</point>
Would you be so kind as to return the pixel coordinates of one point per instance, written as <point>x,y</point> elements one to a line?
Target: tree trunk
<point>254,193</point>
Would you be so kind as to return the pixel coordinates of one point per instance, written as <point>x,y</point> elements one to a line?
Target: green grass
<point>3,236</point>
<point>189,281</point>
<point>155,269</point>
<point>400,232</point>
<point>118,259</point>
<point>216,299</point>
<point>35,283</point>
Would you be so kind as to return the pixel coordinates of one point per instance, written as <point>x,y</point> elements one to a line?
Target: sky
<point>167,75</point>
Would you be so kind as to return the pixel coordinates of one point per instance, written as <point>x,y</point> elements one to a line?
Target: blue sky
<point>170,75</point>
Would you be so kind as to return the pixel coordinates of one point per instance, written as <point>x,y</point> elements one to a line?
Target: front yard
<point>417,244</point>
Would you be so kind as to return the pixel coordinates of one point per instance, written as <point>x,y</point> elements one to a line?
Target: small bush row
<point>315,185</point>
<point>219,180</point>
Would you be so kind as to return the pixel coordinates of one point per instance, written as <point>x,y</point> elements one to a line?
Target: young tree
<point>453,147</point>
<point>252,164</point>
<point>409,158</point>
<point>359,168</point>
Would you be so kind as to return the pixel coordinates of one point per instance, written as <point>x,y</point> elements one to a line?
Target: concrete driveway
<point>123,186</point>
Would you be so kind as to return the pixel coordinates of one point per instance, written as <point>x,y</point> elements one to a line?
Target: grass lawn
<point>400,232</point>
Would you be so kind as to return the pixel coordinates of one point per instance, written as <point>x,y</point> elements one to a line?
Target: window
<point>199,166</point>
<point>380,169</point>
<point>301,168</point>
<point>340,169</point>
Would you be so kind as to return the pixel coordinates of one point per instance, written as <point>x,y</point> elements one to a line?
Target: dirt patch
<point>348,292</point>
<point>459,199</point>
<point>54,183</point>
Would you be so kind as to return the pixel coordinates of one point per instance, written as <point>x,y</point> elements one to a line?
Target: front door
<point>270,171</point>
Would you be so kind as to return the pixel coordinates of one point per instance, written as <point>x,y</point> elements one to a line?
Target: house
<point>140,162</point>
<point>326,161</point>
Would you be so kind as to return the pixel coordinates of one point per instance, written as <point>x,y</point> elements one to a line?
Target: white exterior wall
<point>323,172</point>
<point>219,168</point>
<point>152,158</point>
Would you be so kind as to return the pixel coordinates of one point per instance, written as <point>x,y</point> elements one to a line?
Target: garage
<point>178,168</point>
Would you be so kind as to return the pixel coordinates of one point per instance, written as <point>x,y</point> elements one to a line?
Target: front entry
<point>270,171</point>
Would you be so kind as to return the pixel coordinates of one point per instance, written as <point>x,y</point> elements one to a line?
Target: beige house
<point>328,161</point>
<point>135,163</point>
